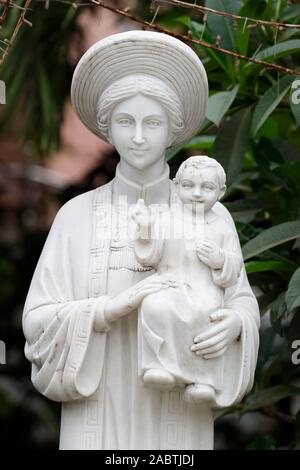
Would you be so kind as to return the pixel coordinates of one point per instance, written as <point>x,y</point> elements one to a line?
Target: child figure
<point>192,245</point>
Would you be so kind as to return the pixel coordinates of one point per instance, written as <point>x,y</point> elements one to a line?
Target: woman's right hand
<point>131,298</point>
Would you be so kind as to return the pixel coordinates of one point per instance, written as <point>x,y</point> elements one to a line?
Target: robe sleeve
<point>241,357</point>
<point>62,343</point>
<point>228,275</point>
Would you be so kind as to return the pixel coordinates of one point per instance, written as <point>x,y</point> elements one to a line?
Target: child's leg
<point>159,378</point>
<point>200,393</point>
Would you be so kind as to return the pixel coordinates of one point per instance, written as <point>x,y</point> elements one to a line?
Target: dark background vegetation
<point>252,128</point>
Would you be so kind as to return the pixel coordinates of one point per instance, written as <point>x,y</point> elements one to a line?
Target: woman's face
<point>139,129</point>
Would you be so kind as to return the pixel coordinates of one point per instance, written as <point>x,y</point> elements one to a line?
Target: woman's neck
<point>145,175</point>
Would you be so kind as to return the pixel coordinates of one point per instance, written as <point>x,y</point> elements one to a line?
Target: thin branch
<point>194,6</point>
<point>268,65</point>
<point>129,16</point>
<point>5,10</point>
<point>22,20</point>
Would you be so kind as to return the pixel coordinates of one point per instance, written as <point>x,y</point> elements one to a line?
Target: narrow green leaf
<point>278,310</point>
<point>269,101</point>
<point>279,50</point>
<point>271,237</point>
<point>268,396</point>
<point>219,104</point>
<point>221,26</point>
<point>231,143</point>
<point>199,32</point>
<point>260,266</point>
<point>204,142</point>
<point>292,296</point>
<point>292,11</point>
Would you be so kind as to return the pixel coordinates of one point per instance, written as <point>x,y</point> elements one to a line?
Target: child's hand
<point>141,214</point>
<point>210,253</point>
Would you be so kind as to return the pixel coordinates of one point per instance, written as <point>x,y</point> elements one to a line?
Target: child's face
<point>199,188</point>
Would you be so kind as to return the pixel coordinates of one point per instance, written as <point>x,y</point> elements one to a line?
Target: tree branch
<point>126,14</point>
<point>22,20</point>
<point>204,10</point>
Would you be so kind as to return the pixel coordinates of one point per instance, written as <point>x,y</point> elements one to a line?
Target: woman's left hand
<point>213,342</point>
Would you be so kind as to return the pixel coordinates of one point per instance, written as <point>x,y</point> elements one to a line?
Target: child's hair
<point>202,161</point>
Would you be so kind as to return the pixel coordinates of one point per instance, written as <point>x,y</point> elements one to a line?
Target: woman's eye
<point>187,186</point>
<point>125,122</point>
<point>153,123</point>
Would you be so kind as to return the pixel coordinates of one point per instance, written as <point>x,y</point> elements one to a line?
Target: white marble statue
<point>193,245</point>
<point>144,92</point>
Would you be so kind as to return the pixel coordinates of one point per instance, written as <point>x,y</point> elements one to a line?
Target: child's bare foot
<point>159,379</point>
<point>198,393</point>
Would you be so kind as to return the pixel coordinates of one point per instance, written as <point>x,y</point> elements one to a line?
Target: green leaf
<point>278,50</point>
<point>220,25</point>
<point>260,266</point>
<point>262,443</point>
<point>252,9</point>
<point>231,143</point>
<point>269,101</point>
<point>290,175</point>
<point>219,104</point>
<point>271,237</point>
<point>268,396</point>
<point>292,11</point>
<point>266,342</point>
<point>204,142</point>
<point>292,296</point>
<point>278,310</point>
<point>243,209</point>
<point>199,32</point>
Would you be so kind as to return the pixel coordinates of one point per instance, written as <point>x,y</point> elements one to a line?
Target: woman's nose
<point>138,136</point>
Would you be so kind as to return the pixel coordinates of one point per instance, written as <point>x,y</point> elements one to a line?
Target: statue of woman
<point>144,92</point>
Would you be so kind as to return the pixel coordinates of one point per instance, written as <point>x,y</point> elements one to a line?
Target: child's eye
<point>209,187</point>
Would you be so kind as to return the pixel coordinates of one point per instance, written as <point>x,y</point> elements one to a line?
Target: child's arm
<point>147,243</point>
<point>225,262</point>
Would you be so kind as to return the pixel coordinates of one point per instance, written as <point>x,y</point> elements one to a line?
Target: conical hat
<point>147,53</point>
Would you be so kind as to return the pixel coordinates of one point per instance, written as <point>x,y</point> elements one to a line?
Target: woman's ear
<point>222,192</point>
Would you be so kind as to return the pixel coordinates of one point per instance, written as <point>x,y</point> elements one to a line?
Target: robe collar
<point>155,192</point>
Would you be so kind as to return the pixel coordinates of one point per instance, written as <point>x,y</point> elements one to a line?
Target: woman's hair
<point>149,86</point>
<point>202,161</point>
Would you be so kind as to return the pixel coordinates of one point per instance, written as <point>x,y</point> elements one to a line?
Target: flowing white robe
<point>95,373</point>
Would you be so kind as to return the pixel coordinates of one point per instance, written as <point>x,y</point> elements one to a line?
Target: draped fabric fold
<point>66,352</point>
